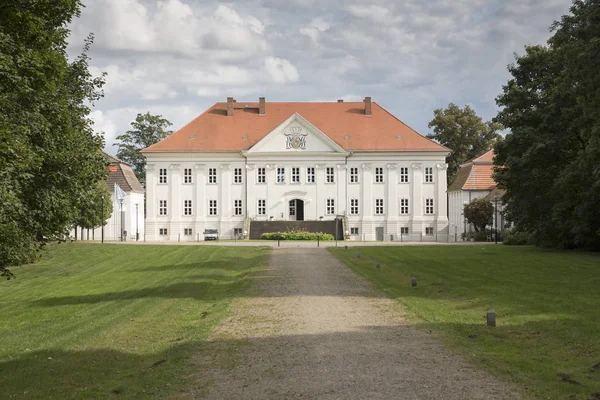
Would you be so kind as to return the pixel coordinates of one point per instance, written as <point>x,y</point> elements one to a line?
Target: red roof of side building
<point>343,122</point>
<point>475,174</point>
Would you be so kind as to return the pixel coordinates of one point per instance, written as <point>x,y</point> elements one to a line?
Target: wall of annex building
<point>276,195</point>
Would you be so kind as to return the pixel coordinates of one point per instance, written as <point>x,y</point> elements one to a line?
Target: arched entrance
<point>296,210</point>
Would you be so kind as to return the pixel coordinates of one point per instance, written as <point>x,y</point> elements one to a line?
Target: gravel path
<point>315,330</point>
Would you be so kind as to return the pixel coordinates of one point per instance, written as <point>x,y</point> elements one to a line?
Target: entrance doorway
<point>379,233</point>
<point>296,210</point>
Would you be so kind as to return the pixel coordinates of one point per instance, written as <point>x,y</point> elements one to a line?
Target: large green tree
<point>480,213</point>
<point>549,163</point>
<point>464,132</point>
<point>147,129</point>
<point>49,155</point>
<point>95,207</point>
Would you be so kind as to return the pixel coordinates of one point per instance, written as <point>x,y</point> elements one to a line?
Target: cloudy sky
<point>178,57</point>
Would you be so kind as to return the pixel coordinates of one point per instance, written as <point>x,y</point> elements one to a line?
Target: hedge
<point>296,236</point>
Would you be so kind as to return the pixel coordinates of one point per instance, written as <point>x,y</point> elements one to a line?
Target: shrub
<point>516,238</point>
<point>296,236</point>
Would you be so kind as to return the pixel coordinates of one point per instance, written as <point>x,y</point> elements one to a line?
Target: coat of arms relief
<point>296,138</point>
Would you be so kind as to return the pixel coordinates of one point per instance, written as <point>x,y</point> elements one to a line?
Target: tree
<point>480,213</point>
<point>464,132</point>
<point>147,130</point>
<point>49,155</point>
<point>549,164</point>
<point>92,213</point>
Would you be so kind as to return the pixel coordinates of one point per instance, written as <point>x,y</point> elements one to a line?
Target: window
<point>237,175</point>
<point>404,230</point>
<point>295,175</point>
<point>237,232</point>
<point>162,231</point>
<point>429,230</point>
<point>403,174</point>
<point>378,206</point>
<point>237,207</point>
<point>404,206</point>
<point>330,175</point>
<point>261,176</point>
<point>162,207</point>
<point>187,231</point>
<point>187,175</point>
<point>261,207</point>
<point>280,175</point>
<point>378,174</point>
<point>162,175</point>
<point>353,174</point>
<point>212,175</point>
<point>330,210</point>
<point>428,206</point>
<point>187,207</point>
<point>310,175</point>
<point>354,230</point>
<point>212,207</point>
<point>428,174</point>
<point>353,206</point>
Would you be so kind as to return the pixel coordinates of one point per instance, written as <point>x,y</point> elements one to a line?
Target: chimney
<point>368,106</point>
<point>340,100</point>
<point>230,106</point>
<point>261,106</point>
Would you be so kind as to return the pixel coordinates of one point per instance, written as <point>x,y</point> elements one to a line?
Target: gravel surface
<point>315,330</point>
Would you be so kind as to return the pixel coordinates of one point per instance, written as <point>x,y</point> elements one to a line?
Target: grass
<point>96,321</point>
<point>547,305</point>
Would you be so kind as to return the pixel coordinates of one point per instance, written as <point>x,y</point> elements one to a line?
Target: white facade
<point>378,193</point>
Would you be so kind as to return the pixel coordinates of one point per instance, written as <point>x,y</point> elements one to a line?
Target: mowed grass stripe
<point>546,304</point>
<point>90,320</point>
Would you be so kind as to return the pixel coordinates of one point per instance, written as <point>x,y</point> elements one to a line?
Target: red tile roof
<point>345,123</point>
<point>475,174</point>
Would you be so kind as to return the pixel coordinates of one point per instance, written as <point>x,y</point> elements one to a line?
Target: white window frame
<point>212,176</point>
<point>187,232</point>
<point>295,175</point>
<point>310,174</point>
<point>330,175</point>
<point>379,207</point>
<point>429,210</point>
<point>378,174</point>
<point>280,175</point>
<point>187,176</point>
<point>213,208</point>
<point>162,176</point>
<point>261,207</point>
<point>261,175</point>
<point>163,232</point>
<point>403,176</point>
<point>404,207</point>
<point>428,174</point>
<point>187,207</point>
<point>353,175</point>
<point>354,210</point>
<point>429,230</point>
<point>354,231</point>
<point>404,230</point>
<point>330,207</point>
<point>237,207</point>
<point>238,177</point>
<point>163,209</point>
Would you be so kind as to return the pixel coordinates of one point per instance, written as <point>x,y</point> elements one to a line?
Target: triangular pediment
<point>296,135</point>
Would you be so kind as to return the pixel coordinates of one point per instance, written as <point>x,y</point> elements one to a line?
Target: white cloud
<point>281,70</point>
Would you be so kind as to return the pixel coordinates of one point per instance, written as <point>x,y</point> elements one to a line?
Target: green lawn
<point>547,305</point>
<point>96,321</point>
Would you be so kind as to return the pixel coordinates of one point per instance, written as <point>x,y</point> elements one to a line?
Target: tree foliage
<point>464,132</point>
<point>49,154</point>
<point>480,213</point>
<point>549,164</point>
<point>91,212</point>
<point>147,130</point>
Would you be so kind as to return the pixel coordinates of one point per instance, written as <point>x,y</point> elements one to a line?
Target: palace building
<point>241,165</point>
